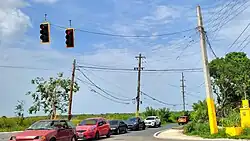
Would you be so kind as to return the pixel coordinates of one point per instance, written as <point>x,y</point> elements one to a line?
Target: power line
<point>238,37</point>
<point>25,67</point>
<point>144,70</point>
<point>126,36</point>
<point>92,90</point>
<point>101,88</point>
<point>209,45</point>
<point>157,99</point>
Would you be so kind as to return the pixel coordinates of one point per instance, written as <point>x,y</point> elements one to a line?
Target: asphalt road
<point>144,135</point>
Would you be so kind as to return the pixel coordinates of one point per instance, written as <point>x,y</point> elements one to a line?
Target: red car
<point>93,128</point>
<point>48,130</point>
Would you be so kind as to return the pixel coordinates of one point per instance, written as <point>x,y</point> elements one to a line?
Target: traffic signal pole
<point>209,94</point>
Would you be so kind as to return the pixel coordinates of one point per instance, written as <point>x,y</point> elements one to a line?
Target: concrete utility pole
<point>139,68</point>
<point>183,92</point>
<point>209,94</point>
<point>71,89</point>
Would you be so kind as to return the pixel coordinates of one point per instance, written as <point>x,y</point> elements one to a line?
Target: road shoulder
<point>177,134</point>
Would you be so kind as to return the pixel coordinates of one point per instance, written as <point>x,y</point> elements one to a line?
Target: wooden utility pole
<point>209,94</point>
<point>183,92</point>
<point>71,89</point>
<point>139,68</point>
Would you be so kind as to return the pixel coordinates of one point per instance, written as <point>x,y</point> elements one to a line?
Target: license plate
<point>80,135</point>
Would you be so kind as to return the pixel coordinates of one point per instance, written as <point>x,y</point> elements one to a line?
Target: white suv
<point>152,121</point>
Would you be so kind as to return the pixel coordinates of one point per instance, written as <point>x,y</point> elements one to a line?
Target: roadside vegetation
<point>51,98</point>
<point>230,80</point>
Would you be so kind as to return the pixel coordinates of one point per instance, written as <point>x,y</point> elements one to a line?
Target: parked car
<point>118,126</point>
<point>136,123</point>
<point>47,130</point>
<point>183,120</point>
<point>152,121</point>
<point>93,128</point>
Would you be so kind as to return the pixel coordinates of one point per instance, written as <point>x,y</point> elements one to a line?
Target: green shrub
<point>197,128</point>
<point>232,120</point>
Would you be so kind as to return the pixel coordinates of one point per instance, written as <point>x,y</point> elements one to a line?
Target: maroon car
<point>48,130</point>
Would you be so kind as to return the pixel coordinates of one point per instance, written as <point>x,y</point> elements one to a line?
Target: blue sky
<point>20,46</point>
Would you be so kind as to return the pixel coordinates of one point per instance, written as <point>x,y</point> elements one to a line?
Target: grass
<point>202,130</point>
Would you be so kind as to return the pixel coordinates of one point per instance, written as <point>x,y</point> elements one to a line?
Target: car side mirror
<point>100,124</point>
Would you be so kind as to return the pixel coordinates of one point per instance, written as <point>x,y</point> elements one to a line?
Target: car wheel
<point>73,138</point>
<point>97,136</point>
<point>126,130</point>
<point>108,135</point>
<point>52,139</point>
<point>155,124</point>
<point>159,124</point>
<point>118,131</point>
<point>143,127</point>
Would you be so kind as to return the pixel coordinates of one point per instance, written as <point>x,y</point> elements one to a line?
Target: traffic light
<point>45,33</point>
<point>69,37</point>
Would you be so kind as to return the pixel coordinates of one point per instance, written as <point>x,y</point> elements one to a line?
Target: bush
<point>232,120</point>
<point>164,114</point>
<point>197,128</point>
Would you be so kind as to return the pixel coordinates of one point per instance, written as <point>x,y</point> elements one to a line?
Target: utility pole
<point>71,89</point>
<point>183,92</point>
<point>139,68</point>
<point>209,94</point>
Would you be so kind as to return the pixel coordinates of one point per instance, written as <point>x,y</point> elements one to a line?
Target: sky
<point>21,49</point>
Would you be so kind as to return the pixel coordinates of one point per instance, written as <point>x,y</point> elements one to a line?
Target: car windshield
<point>150,118</point>
<point>132,119</point>
<point>113,122</point>
<point>88,122</point>
<point>42,125</point>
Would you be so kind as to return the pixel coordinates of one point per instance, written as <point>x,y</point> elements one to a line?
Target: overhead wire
<point>98,87</point>
<point>114,84</point>
<point>242,32</point>
<point>126,36</point>
<point>209,45</point>
<point>162,102</point>
<point>219,25</point>
<point>94,91</point>
<point>144,70</point>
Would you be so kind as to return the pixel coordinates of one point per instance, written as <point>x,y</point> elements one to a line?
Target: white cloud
<point>46,1</point>
<point>13,22</point>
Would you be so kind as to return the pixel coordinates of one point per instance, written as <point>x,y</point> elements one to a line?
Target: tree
<point>19,109</point>
<point>164,114</point>
<point>51,95</point>
<point>150,112</point>
<point>230,79</point>
<point>200,112</point>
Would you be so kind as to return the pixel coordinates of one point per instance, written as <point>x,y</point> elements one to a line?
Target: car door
<point>71,129</point>
<point>106,127</point>
<point>100,127</point>
<point>62,133</point>
<point>122,125</point>
<point>139,122</point>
